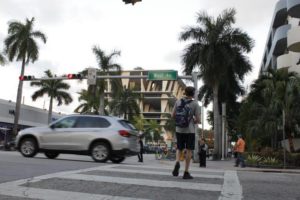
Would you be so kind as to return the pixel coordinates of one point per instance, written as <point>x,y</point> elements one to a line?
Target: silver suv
<point>102,137</point>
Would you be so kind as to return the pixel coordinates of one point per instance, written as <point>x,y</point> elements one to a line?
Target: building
<point>283,44</point>
<point>29,117</point>
<point>157,96</point>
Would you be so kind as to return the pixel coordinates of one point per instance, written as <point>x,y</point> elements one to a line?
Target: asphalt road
<point>78,177</point>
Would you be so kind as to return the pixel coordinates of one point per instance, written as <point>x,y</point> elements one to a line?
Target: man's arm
<point>197,114</point>
<point>173,115</point>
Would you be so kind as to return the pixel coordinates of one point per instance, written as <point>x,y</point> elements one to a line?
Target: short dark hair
<point>189,91</point>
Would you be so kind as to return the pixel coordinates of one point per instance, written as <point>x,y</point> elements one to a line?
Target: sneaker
<point>176,169</point>
<point>187,175</point>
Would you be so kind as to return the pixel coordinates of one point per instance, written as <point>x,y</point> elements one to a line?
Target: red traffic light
<point>74,76</point>
<point>26,78</point>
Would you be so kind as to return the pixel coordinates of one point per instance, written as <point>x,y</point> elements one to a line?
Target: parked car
<point>102,137</point>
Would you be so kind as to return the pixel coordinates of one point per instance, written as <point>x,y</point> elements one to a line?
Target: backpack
<point>183,114</point>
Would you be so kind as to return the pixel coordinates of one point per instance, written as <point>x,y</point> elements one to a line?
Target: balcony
<point>293,7</point>
<point>284,61</point>
<point>279,43</point>
<point>293,40</point>
<point>280,14</point>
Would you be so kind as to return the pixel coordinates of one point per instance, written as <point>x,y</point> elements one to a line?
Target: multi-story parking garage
<point>157,96</point>
<point>283,43</point>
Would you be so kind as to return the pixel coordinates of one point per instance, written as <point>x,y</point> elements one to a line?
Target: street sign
<point>170,75</point>
<point>92,76</point>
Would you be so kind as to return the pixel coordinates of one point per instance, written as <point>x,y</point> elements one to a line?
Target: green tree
<point>153,129</point>
<point>139,123</point>
<point>274,92</point>
<point>21,45</point>
<point>217,51</point>
<point>125,103</point>
<point>55,89</point>
<point>107,67</point>
<point>90,102</point>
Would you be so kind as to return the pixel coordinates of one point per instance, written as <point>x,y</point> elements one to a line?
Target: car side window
<point>92,122</point>
<point>68,122</point>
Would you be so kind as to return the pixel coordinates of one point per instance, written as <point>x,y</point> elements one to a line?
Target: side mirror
<point>52,126</point>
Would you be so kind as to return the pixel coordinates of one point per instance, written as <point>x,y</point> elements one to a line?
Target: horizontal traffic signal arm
<point>65,77</point>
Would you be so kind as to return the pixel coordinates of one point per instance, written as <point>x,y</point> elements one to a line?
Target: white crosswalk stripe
<point>230,189</point>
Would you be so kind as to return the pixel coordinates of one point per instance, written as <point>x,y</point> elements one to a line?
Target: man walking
<point>186,113</point>
<point>140,154</point>
<point>240,149</point>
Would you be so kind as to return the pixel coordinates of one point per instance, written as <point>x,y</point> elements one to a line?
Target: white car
<point>102,137</point>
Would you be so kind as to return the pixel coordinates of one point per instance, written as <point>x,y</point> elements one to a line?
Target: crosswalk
<point>124,182</point>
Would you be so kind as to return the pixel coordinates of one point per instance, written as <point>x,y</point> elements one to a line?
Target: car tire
<point>28,147</point>
<point>51,155</point>
<point>100,152</point>
<point>117,159</point>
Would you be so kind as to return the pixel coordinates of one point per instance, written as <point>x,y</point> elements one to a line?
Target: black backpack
<point>183,114</point>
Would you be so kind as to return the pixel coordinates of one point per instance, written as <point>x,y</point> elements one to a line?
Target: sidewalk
<point>221,164</point>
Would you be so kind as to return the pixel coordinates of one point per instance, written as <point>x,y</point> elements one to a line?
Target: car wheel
<point>100,152</point>
<point>117,159</point>
<point>28,147</point>
<point>51,155</point>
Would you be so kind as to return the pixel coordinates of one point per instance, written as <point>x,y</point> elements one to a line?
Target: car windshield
<point>127,125</point>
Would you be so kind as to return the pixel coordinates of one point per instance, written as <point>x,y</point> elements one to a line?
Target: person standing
<point>140,154</point>
<point>186,113</point>
<point>240,149</point>
<point>202,152</point>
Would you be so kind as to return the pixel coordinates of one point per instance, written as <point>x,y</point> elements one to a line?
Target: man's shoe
<point>187,175</point>
<point>176,169</point>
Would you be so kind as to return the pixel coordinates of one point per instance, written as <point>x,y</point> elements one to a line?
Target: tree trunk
<point>50,110</point>
<point>291,144</point>
<point>216,153</point>
<point>101,104</point>
<point>18,101</point>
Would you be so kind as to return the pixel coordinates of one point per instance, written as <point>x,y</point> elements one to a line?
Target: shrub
<point>253,159</point>
<point>270,161</point>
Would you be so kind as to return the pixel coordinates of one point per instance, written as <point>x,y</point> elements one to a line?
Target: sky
<point>146,34</point>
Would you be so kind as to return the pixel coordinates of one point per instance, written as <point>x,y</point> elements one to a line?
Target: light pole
<point>283,138</point>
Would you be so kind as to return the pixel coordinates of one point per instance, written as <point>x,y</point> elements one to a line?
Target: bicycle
<point>165,155</point>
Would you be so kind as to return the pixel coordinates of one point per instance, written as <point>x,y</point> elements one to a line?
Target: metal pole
<point>223,128</point>
<point>195,80</point>
<point>202,119</point>
<point>283,138</point>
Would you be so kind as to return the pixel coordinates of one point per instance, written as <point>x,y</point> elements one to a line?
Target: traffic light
<point>74,76</point>
<point>131,1</point>
<point>26,78</point>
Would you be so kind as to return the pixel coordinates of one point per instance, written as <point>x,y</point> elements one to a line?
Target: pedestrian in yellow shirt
<point>240,149</point>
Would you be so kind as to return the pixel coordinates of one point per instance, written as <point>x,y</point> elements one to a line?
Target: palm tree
<point>21,45</point>
<point>2,59</point>
<point>271,94</point>
<point>153,129</point>
<point>91,102</point>
<point>107,67</point>
<point>125,103</point>
<point>139,123</point>
<point>55,89</point>
<point>218,52</point>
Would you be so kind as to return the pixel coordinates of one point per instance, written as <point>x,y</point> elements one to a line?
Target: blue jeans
<point>240,159</point>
